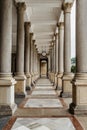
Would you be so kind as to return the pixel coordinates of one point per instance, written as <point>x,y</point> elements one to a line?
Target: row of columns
<point>72,85</point>
<point>26,57</point>
<point>78,88</point>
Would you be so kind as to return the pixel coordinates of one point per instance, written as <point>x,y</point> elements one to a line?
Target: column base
<point>60,75</point>
<point>7,104</point>
<point>20,87</point>
<point>28,82</point>
<point>65,94</point>
<point>79,103</point>
<point>78,110</point>
<point>7,110</point>
<point>67,85</point>
<point>32,80</point>
<point>55,79</point>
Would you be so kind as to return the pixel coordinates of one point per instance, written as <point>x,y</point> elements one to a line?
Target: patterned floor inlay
<point>44,92</point>
<point>43,88</point>
<point>59,123</point>
<point>43,103</point>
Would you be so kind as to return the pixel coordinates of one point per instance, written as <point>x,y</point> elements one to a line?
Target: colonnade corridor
<point>40,87</point>
<point>43,109</point>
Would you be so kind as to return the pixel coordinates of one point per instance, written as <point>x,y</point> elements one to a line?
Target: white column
<point>56,52</point>
<point>61,47</point>
<point>7,103</point>
<point>56,56</point>
<point>53,63</point>
<point>61,54</point>
<point>20,88</point>
<point>31,37</point>
<point>27,54</point>
<point>79,103</point>
<point>67,77</point>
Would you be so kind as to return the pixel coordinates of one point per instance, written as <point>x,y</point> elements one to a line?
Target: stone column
<point>38,64</point>
<point>54,57</point>
<point>20,77</point>
<point>49,63</point>
<point>56,41</point>
<point>61,54</point>
<point>52,64</point>
<point>27,54</point>
<point>68,76</point>
<point>31,36</point>
<point>32,60</point>
<point>35,63</point>
<point>7,103</point>
<point>79,100</point>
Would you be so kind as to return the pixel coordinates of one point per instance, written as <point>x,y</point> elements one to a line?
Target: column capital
<point>21,6</point>
<point>67,7</point>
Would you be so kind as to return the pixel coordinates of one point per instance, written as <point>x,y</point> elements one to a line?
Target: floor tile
<point>43,92</point>
<point>40,103</point>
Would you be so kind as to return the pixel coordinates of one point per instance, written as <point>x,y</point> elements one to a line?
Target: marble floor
<point>42,109</point>
<point>61,123</point>
<point>43,103</point>
<point>43,88</point>
<point>47,92</point>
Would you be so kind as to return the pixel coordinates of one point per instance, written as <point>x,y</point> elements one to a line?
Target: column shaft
<point>67,38</point>
<point>5,36</point>
<point>27,47</point>
<point>61,47</point>
<point>56,52</point>
<point>20,39</point>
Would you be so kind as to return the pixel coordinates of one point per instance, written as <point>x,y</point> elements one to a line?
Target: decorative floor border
<point>26,99</point>
<point>73,119</point>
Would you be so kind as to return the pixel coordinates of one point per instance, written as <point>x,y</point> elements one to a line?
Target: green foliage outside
<point>73,67</point>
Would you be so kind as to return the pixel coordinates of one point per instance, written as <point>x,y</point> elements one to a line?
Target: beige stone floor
<point>43,85</point>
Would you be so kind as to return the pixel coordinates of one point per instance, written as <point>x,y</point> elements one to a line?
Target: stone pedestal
<point>20,87</point>
<point>55,80</point>
<point>67,85</point>
<point>32,80</point>
<point>7,103</point>
<point>79,103</point>
<point>28,82</point>
<point>59,80</point>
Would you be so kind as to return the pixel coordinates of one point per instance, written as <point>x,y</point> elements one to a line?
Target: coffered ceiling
<point>44,16</point>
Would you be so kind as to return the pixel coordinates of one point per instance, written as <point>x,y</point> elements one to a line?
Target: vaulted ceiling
<point>44,16</point>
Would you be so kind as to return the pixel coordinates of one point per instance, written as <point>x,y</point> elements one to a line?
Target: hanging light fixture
<point>43,53</point>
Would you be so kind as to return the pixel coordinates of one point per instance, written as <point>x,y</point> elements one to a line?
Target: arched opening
<point>44,68</point>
